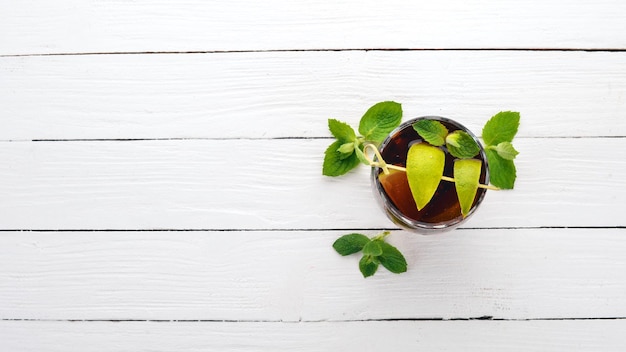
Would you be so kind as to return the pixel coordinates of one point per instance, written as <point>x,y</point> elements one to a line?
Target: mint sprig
<point>375,251</point>
<point>345,153</point>
<point>498,133</point>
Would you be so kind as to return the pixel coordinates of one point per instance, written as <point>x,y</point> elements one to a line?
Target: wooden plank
<point>36,27</point>
<point>265,95</point>
<point>296,276</point>
<point>277,184</point>
<point>544,336</point>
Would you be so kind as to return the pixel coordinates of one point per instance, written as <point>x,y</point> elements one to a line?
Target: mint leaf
<point>502,127</point>
<point>379,120</point>
<point>341,130</point>
<point>498,134</point>
<point>346,150</point>
<point>433,132</point>
<point>349,244</point>
<point>336,163</point>
<point>506,150</point>
<point>392,259</point>
<point>368,265</point>
<point>373,248</point>
<point>461,145</point>
<point>502,172</point>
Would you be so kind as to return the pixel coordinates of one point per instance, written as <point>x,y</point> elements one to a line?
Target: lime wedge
<point>424,168</point>
<point>466,175</point>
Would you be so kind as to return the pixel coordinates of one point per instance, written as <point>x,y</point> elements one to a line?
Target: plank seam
<point>48,140</point>
<point>246,51</point>
<point>480,318</point>
<point>314,229</point>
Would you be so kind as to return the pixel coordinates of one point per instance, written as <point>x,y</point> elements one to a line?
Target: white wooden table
<point>161,187</point>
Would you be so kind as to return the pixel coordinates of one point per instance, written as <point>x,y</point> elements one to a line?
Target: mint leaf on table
<point>341,130</point>
<point>461,145</point>
<point>349,244</point>
<point>337,163</point>
<point>373,248</point>
<point>379,120</point>
<point>502,127</point>
<point>392,259</point>
<point>433,132</point>
<point>502,172</point>
<point>375,251</point>
<point>368,265</point>
<point>506,150</point>
<point>346,152</point>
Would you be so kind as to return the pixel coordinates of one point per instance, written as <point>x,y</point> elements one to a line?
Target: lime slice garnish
<point>424,168</point>
<point>466,175</point>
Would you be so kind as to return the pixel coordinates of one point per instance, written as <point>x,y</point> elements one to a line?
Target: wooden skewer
<point>383,165</point>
